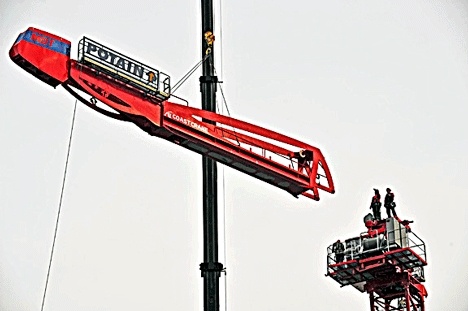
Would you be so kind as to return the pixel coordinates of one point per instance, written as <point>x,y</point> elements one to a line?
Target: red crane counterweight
<point>42,54</point>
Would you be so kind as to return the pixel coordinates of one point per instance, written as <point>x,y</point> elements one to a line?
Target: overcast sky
<point>381,87</point>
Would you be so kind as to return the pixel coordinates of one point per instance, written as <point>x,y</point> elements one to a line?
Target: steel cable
<point>60,207</point>
<point>189,73</point>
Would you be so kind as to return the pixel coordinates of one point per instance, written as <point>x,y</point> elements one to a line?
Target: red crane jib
<point>284,162</point>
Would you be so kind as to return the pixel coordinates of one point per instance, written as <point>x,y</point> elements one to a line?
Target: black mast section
<point>210,268</point>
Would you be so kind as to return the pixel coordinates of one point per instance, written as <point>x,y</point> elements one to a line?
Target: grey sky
<point>380,87</point>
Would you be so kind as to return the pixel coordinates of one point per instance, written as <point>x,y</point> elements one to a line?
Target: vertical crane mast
<point>210,268</point>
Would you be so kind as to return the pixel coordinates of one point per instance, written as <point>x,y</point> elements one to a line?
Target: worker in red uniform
<point>376,204</point>
<point>389,203</point>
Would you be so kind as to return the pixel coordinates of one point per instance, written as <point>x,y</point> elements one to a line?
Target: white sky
<point>381,87</point>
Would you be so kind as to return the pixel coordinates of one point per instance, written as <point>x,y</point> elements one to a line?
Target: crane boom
<point>138,93</point>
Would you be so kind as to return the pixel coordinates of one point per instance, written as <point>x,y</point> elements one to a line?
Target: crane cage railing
<point>365,246</point>
<point>249,141</point>
<point>124,68</point>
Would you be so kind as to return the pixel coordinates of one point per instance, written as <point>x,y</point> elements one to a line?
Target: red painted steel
<point>284,162</point>
<point>392,274</point>
<point>42,54</point>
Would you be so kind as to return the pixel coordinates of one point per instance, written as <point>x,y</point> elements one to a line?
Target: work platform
<point>387,262</point>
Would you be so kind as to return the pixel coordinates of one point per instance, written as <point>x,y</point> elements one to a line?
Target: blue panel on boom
<point>45,41</point>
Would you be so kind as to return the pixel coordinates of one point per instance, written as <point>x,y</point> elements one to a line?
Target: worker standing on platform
<point>375,204</point>
<point>338,249</point>
<point>389,203</point>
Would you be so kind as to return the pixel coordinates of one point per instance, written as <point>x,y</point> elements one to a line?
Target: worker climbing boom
<point>139,94</point>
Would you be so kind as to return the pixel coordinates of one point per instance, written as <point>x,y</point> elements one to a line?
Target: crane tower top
<point>386,261</point>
